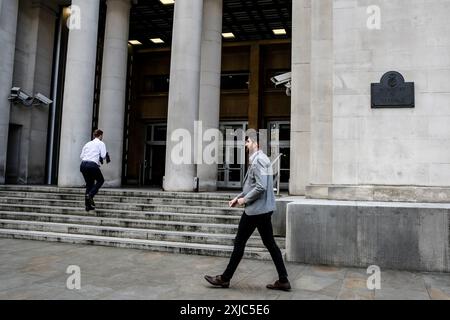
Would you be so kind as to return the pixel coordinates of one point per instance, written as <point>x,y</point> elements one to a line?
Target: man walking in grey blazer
<point>259,200</point>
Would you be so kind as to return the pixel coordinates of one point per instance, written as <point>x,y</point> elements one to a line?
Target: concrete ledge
<point>405,236</point>
<point>380,193</point>
<point>279,218</point>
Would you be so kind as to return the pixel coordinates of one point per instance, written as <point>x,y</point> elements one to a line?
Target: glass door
<point>232,164</point>
<point>280,143</point>
<point>155,155</point>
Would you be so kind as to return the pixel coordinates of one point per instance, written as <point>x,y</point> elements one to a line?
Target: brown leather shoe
<point>217,281</point>
<point>279,286</point>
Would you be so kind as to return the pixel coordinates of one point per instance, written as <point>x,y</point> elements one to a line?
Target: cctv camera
<point>284,79</point>
<point>17,95</point>
<point>281,79</point>
<point>42,99</point>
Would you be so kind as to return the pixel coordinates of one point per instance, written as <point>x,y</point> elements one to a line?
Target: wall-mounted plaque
<point>393,92</point>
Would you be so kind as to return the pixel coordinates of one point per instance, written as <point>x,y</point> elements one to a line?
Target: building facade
<point>334,144</point>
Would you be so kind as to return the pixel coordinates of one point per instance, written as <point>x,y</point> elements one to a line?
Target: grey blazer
<point>258,187</point>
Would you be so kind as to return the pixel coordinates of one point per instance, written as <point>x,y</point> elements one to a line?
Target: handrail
<point>278,177</point>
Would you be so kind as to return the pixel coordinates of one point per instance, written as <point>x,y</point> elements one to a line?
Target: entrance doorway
<point>232,167</point>
<point>13,154</point>
<point>280,143</point>
<point>155,155</point>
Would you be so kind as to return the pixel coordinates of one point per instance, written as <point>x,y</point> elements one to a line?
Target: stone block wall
<point>391,146</point>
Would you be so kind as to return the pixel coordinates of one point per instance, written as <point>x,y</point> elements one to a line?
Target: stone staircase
<point>189,223</point>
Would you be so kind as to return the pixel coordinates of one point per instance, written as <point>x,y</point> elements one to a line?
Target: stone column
<point>209,104</point>
<point>78,93</point>
<point>8,27</point>
<point>301,97</point>
<point>322,77</point>
<point>113,87</point>
<point>183,95</point>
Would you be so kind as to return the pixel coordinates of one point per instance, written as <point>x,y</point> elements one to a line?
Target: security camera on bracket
<point>40,99</point>
<point>17,96</point>
<point>283,79</point>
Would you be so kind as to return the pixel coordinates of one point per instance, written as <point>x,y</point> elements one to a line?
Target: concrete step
<point>131,233</point>
<point>161,246</point>
<point>121,222</point>
<point>192,223</point>
<point>221,196</point>
<point>123,206</point>
<point>115,199</point>
<point>125,214</point>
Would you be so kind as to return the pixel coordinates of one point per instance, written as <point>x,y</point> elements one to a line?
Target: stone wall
<point>391,146</point>
<point>33,67</point>
<point>401,236</point>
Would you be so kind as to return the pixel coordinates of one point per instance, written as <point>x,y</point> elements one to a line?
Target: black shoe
<point>92,202</point>
<point>88,203</point>
<point>284,286</point>
<point>217,281</point>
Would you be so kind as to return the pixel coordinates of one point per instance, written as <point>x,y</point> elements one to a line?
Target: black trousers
<point>93,177</point>
<point>247,226</point>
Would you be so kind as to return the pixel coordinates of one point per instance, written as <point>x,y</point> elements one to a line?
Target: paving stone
<point>127,274</point>
<point>401,294</point>
<point>313,283</point>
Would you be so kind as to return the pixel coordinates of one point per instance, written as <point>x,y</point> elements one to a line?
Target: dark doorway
<point>155,155</point>
<point>13,156</point>
<point>155,160</point>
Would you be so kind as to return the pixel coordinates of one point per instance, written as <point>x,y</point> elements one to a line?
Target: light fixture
<point>166,2</point>
<point>135,42</point>
<point>279,32</point>
<point>157,40</point>
<point>228,35</point>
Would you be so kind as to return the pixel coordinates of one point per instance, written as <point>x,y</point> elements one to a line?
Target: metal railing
<point>277,176</point>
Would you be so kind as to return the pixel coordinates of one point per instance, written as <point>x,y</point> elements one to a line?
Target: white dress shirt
<point>93,150</point>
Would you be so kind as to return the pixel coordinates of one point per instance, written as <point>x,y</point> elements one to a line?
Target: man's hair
<point>254,136</point>
<point>98,133</point>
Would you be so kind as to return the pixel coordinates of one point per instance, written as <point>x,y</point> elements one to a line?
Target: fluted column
<point>78,93</point>
<point>209,104</point>
<point>8,27</point>
<point>113,87</point>
<point>183,95</point>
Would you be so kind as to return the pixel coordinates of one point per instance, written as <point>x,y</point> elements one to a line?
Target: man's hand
<point>233,202</point>
<point>241,201</point>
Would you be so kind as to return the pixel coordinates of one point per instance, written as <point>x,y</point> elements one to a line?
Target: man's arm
<point>241,195</point>
<point>234,202</point>
<point>260,183</point>
<point>102,150</point>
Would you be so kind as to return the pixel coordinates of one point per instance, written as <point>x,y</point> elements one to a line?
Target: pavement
<point>34,270</point>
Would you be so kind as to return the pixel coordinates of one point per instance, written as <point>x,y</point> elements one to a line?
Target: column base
<point>180,185</point>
